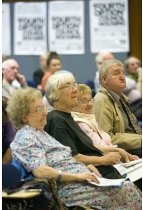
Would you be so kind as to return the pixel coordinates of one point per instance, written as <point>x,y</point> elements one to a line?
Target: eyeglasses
<point>70,86</point>
<point>86,101</point>
<point>40,109</point>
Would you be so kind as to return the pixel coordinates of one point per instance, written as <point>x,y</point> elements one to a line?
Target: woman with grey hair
<point>62,93</point>
<point>42,155</point>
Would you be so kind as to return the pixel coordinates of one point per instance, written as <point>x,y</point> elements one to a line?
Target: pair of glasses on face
<point>40,109</point>
<point>70,86</point>
<point>86,101</point>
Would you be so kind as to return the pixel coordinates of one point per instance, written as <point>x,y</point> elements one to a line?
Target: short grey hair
<point>106,66</point>
<point>54,82</point>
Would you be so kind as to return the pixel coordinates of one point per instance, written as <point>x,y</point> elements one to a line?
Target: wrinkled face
<point>37,116</point>
<point>85,104</point>
<point>133,65</point>
<point>10,71</point>
<point>68,94</point>
<point>115,81</point>
<point>55,65</point>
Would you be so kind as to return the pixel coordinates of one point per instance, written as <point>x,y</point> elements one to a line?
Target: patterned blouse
<point>34,148</point>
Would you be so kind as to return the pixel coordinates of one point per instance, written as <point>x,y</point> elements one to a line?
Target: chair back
<point>23,173</point>
<point>90,83</point>
<point>10,176</point>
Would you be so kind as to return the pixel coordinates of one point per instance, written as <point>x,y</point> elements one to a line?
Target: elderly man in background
<point>134,85</point>
<point>134,74</point>
<point>112,109</point>
<point>99,59</point>
<point>12,79</point>
<point>132,65</point>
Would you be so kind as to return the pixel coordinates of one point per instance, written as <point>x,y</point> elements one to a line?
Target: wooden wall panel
<point>135,26</point>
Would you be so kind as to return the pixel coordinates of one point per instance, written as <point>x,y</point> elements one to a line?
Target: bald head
<point>10,69</point>
<point>101,57</point>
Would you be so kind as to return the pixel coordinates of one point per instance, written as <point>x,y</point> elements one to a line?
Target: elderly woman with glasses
<point>62,94</point>
<point>42,155</point>
<point>83,115</point>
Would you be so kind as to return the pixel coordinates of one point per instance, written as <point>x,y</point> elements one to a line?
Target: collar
<point>112,95</point>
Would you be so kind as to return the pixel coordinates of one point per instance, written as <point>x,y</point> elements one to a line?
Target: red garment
<point>44,80</point>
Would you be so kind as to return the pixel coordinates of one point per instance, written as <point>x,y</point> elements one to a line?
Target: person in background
<point>38,74</point>
<point>84,116</point>
<point>112,109</point>
<point>8,133</point>
<point>99,59</point>
<point>54,64</point>
<point>42,155</point>
<point>139,83</point>
<point>132,65</point>
<point>12,79</point>
<point>133,88</point>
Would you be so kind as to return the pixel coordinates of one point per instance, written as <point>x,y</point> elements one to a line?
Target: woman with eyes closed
<point>83,115</point>
<point>42,155</point>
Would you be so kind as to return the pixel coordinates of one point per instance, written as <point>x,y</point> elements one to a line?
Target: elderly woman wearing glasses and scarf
<point>84,116</point>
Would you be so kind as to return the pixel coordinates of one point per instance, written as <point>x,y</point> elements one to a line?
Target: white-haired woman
<point>62,93</point>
